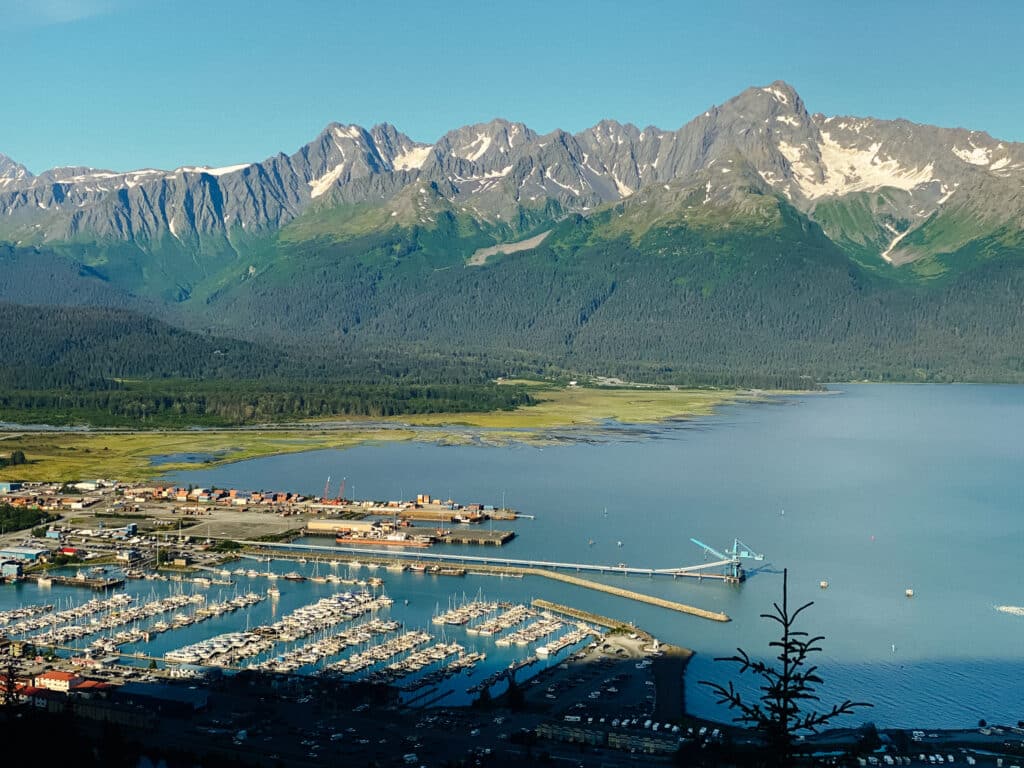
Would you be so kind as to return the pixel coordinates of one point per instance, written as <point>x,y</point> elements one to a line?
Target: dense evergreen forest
<point>720,307</point>
<point>396,322</point>
<point>107,367</point>
<point>19,518</point>
<point>175,402</point>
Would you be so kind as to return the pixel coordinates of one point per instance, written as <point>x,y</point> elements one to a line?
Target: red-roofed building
<point>56,680</point>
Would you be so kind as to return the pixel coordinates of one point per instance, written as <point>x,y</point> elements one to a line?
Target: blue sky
<point>128,84</point>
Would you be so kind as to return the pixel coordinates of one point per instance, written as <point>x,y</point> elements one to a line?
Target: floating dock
<point>476,536</point>
<point>97,585</point>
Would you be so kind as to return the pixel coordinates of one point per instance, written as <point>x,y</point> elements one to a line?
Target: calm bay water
<point>876,489</point>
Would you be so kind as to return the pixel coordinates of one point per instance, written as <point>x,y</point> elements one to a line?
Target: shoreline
<point>73,453</point>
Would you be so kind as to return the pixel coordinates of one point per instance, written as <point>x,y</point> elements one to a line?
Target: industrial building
<point>29,554</point>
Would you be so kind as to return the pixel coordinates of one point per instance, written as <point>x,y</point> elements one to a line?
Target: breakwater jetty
<point>401,559</point>
<point>576,613</point>
<point>630,594</point>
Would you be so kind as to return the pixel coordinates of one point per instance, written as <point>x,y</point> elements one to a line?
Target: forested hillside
<point>758,245</point>
<point>66,365</point>
<point>761,307</point>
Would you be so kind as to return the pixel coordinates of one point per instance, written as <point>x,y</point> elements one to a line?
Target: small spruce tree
<point>787,687</point>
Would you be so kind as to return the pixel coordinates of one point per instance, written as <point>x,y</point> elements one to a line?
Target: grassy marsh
<point>127,455</point>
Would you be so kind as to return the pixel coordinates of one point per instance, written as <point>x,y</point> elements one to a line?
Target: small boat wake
<point>1013,610</point>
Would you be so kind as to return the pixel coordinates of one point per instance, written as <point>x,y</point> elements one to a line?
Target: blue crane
<point>712,550</point>
<point>746,552</point>
<point>731,557</point>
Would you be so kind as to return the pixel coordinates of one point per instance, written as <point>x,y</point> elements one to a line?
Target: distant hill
<point>45,346</point>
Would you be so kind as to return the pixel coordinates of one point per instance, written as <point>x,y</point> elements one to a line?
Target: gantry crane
<point>730,558</point>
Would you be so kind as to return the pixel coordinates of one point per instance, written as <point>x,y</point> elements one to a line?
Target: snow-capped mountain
<point>875,186</point>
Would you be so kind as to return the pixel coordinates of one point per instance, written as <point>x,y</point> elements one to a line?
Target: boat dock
<point>545,569</point>
<point>576,613</point>
<point>476,536</point>
<point>442,535</point>
<point>95,584</point>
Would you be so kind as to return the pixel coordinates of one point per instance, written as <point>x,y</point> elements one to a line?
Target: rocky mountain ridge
<point>887,190</point>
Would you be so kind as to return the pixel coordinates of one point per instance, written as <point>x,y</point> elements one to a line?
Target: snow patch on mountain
<point>849,169</point>
<point>974,155</point>
<point>777,93</point>
<point>325,182</point>
<point>347,132</point>
<point>207,170</point>
<point>887,253</point>
<point>411,158</point>
<point>475,149</point>
<point>566,187</point>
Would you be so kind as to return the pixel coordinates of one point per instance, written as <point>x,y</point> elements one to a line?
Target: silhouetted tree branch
<point>787,686</point>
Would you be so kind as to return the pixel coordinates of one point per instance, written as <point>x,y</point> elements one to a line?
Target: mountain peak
<point>11,170</point>
<point>343,131</point>
<point>778,97</point>
<point>782,91</point>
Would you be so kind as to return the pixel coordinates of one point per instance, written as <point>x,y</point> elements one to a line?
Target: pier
<point>704,570</point>
<point>473,536</point>
<point>510,567</point>
<point>637,596</point>
<point>97,585</point>
<point>476,536</point>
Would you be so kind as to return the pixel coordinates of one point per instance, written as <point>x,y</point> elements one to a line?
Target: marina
<point>872,557</point>
<point>352,633</point>
<point>654,486</point>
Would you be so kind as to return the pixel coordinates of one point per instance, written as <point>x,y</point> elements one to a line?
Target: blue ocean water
<point>875,488</point>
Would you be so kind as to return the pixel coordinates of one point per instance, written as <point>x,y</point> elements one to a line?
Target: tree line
<point>216,403</point>
<point>20,518</point>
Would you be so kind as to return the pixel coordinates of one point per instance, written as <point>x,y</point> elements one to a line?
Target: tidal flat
<point>128,455</point>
